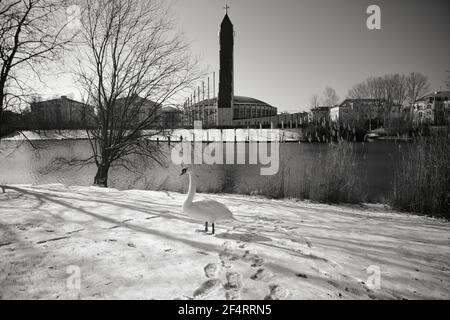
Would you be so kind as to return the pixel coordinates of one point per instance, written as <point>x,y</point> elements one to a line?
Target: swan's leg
<point>206,226</point>
<point>213,231</point>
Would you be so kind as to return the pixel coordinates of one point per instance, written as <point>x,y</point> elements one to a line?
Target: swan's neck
<point>192,189</point>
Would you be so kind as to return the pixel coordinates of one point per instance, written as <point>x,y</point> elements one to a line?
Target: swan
<point>209,211</point>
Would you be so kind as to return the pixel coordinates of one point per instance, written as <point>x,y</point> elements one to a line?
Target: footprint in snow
<point>211,270</point>
<point>308,242</point>
<point>262,274</point>
<point>257,261</point>
<point>225,258</point>
<point>277,293</point>
<point>207,288</point>
<point>234,280</point>
<point>233,286</point>
<point>232,294</point>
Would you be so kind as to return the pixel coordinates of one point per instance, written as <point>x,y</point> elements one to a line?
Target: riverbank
<point>139,244</point>
<point>174,135</point>
<point>207,135</point>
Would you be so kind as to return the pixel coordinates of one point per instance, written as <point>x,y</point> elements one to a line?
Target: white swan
<point>208,210</point>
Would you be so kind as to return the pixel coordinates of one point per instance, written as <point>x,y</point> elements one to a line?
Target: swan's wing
<point>216,210</point>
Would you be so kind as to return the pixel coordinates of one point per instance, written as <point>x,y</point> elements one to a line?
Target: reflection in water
<point>29,166</point>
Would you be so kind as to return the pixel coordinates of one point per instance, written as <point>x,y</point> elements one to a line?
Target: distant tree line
<point>393,88</point>
<point>328,98</point>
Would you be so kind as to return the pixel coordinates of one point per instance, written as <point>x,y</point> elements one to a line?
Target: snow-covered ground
<point>139,244</point>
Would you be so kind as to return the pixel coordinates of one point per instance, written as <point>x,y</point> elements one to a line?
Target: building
<point>243,111</point>
<point>10,121</point>
<point>61,113</point>
<point>171,117</point>
<point>364,113</point>
<point>65,113</point>
<point>291,120</point>
<point>334,113</point>
<point>432,109</point>
<point>228,110</point>
<point>134,110</point>
<point>149,114</point>
<point>321,114</point>
<point>281,121</point>
<point>400,112</point>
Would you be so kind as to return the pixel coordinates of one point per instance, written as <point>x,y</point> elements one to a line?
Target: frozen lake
<point>27,165</point>
<point>35,166</point>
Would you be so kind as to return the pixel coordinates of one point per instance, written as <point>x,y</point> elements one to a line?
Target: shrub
<point>422,177</point>
<point>334,178</point>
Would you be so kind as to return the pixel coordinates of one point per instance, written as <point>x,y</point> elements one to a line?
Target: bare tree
<point>32,32</point>
<point>417,85</point>
<point>376,87</point>
<point>330,98</point>
<point>359,91</point>
<point>314,101</point>
<point>392,88</point>
<point>400,89</point>
<point>447,81</point>
<point>131,62</point>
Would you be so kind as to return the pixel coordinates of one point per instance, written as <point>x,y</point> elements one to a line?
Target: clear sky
<point>287,50</point>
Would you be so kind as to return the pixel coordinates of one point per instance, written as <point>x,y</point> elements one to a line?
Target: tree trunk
<point>101,178</point>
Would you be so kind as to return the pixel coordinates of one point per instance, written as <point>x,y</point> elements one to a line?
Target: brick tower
<point>226,81</point>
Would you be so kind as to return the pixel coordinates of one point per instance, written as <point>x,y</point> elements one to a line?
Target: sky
<point>287,50</point>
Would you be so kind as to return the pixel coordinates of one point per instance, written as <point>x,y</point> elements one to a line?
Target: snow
<point>140,245</point>
<point>230,135</point>
<point>47,135</point>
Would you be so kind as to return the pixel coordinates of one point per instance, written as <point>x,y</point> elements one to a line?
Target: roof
<point>236,100</point>
<point>56,101</point>
<point>226,20</point>
<point>321,108</point>
<point>367,100</point>
<point>170,109</point>
<point>249,100</point>
<point>436,94</point>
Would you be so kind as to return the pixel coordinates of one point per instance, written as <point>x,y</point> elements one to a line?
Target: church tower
<point>226,81</point>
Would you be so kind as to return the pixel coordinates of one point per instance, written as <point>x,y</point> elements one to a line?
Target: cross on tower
<point>226,7</point>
